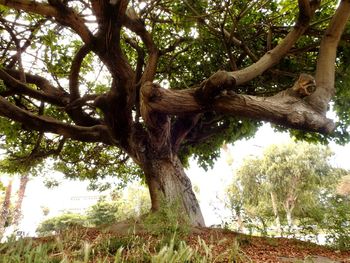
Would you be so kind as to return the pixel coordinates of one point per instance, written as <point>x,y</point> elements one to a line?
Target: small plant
<point>237,255</point>
<point>171,254</point>
<point>169,223</point>
<point>26,251</point>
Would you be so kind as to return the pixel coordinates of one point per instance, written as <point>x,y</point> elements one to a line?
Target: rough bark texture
<point>166,179</point>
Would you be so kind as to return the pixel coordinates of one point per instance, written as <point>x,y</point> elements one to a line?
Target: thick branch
<point>158,122</point>
<point>135,24</point>
<point>228,80</point>
<point>97,133</point>
<point>54,97</point>
<point>74,72</point>
<point>326,61</point>
<point>42,83</point>
<point>287,108</point>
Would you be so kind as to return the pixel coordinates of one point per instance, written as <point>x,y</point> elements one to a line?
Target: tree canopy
<point>103,85</point>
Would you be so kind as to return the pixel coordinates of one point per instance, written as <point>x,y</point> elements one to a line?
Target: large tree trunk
<point>167,179</point>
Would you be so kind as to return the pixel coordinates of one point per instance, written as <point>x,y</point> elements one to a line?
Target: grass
<point>79,246</point>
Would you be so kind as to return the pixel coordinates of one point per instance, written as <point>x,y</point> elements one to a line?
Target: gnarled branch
<point>97,133</point>
<point>286,108</point>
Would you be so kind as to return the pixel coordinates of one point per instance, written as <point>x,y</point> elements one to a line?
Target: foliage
<point>198,52</point>
<point>336,221</point>
<point>93,162</point>
<point>60,223</point>
<point>303,183</point>
<point>131,203</point>
<point>293,173</point>
<point>102,213</point>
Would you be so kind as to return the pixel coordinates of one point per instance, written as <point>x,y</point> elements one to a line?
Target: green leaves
<point>295,175</point>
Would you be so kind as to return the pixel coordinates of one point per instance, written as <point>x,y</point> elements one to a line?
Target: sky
<point>73,195</point>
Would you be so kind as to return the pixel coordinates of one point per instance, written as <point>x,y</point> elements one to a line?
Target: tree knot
<point>219,84</point>
<point>305,85</point>
<point>150,91</point>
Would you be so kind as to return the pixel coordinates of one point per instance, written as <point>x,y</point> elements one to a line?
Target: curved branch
<point>97,133</point>
<point>50,94</point>
<point>325,69</point>
<point>65,17</point>
<point>55,96</point>
<point>74,71</point>
<point>42,83</point>
<point>228,80</point>
<point>135,24</point>
<point>272,57</point>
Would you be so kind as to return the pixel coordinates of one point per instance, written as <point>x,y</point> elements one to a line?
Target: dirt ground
<point>260,249</point>
<point>255,249</point>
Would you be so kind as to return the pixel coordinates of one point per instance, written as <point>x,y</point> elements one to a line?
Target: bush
<point>102,213</point>
<point>60,223</point>
<point>337,222</point>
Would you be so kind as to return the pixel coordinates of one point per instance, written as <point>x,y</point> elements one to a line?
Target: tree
<point>17,213</point>
<point>6,209</point>
<point>97,83</point>
<point>286,182</point>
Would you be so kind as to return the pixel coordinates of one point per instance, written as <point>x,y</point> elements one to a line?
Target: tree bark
<point>275,212</point>
<point>240,222</point>
<point>20,196</point>
<point>5,209</point>
<point>289,207</point>
<point>289,218</point>
<point>167,180</point>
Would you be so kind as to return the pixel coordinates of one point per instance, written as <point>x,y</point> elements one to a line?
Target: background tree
<point>128,205</point>
<point>100,83</point>
<point>17,212</point>
<point>5,211</point>
<point>286,183</point>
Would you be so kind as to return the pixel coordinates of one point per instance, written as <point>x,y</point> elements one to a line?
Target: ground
<point>225,244</point>
<point>137,244</point>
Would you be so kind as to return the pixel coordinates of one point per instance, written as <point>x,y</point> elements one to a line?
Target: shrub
<point>60,223</point>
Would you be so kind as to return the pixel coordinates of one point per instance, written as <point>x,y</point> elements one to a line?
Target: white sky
<point>211,183</point>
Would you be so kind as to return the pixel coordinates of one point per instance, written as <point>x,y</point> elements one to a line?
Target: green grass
<point>75,245</point>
